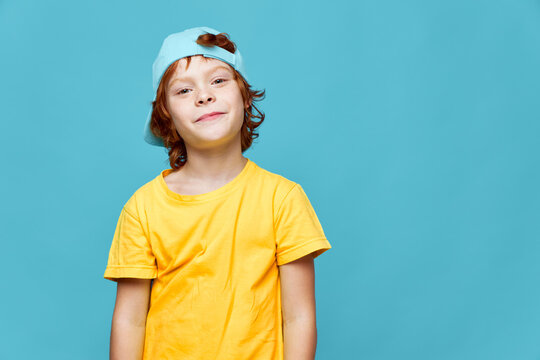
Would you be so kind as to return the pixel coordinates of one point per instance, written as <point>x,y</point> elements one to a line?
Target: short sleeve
<point>298,231</point>
<point>130,255</point>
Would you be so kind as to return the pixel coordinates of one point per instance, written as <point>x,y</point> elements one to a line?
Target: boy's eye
<point>185,91</point>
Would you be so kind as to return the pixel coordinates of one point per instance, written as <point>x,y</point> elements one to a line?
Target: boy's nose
<point>205,99</point>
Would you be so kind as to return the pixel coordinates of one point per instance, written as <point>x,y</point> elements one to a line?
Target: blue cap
<point>180,45</point>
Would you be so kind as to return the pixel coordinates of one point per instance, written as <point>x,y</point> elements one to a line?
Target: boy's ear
<point>247,104</point>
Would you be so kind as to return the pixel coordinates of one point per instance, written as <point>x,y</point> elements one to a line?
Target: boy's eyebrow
<point>207,72</point>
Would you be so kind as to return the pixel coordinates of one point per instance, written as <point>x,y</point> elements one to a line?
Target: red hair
<point>162,125</point>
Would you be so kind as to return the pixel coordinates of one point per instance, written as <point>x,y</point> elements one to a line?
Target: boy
<point>213,258</point>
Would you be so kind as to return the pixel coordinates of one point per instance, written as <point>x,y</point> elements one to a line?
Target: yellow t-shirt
<point>214,259</point>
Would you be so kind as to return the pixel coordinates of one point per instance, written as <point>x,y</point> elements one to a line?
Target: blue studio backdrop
<point>412,126</point>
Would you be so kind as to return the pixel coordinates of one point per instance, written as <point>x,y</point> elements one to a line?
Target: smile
<point>210,117</point>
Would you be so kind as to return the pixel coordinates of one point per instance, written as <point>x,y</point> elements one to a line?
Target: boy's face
<point>207,86</point>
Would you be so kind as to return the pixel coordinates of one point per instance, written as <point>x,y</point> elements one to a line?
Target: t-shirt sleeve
<point>297,229</point>
<point>130,255</point>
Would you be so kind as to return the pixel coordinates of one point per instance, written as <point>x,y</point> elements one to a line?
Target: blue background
<point>412,126</point>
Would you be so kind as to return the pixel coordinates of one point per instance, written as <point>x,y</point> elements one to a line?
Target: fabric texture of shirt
<point>214,259</point>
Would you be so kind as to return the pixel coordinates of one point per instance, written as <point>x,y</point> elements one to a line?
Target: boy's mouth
<point>209,116</point>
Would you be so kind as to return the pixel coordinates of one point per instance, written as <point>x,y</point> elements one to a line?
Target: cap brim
<point>148,136</point>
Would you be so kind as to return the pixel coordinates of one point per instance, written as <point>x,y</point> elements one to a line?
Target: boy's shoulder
<point>277,181</point>
<point>139,197</point>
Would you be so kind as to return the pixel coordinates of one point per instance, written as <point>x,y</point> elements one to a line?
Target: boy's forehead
<point>198,66</point>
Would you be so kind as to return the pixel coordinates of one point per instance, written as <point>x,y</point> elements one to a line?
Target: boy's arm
<point>129,319</point>
<point>298,308</point>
